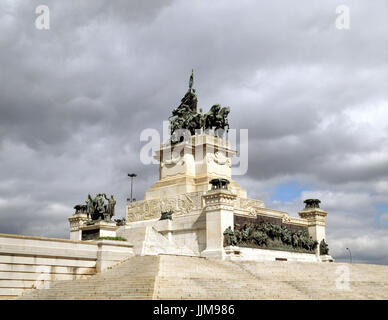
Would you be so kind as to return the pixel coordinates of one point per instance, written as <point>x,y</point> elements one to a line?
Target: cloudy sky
<point>74,100</point>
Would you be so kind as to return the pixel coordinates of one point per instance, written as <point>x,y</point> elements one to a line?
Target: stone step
<point>183,277</point>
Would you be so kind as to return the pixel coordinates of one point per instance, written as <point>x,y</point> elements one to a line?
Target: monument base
<point>189,166</point>
<point>99,229</point>
<point>235,253</point>
<point>76,221</point>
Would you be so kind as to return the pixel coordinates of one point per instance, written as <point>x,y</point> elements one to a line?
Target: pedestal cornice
<point>314,216</point>
<point>219,199</point>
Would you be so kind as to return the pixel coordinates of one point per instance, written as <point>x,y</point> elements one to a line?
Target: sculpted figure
<point>181,111</point>
<point>120,222</point>
<point>80,208</point>
<point>175,124</point>
<point>190,100</point>
<point>185,113</point>
<point>100,205</point>
<point>323,247</point>
<point>211,117</point>
<point>216,119</point>
<point>191,81</point>
<point>237,233</point>
<point>245,232</point>
<point>229,237</point>
<point>110,208</point>
<point>194,122</point>
<point>224,115</point>
<point>89,206</point>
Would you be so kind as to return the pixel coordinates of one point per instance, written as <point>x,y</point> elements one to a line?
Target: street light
<point>131,175</point>
<point>350,253</point>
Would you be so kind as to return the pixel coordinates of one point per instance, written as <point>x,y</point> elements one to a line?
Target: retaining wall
<point>28,262</point>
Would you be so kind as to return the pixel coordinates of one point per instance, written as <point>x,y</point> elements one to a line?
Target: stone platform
<point>179,277</point>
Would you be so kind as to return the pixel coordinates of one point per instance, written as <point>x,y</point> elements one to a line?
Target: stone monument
<point>196,208</point>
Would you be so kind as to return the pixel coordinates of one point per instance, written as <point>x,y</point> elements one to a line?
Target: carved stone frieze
<point>250,206</point>
<point>151,209</point>
<point>286,218</point>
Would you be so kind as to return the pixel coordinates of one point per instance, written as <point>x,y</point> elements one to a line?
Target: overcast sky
<point>74,99</point>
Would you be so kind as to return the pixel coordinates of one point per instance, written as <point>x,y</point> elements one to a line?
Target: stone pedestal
<point>219,206</point>
<point>99,229</point>
<point>189,166</point>
<point>316,220</point>
<point>77,221</point>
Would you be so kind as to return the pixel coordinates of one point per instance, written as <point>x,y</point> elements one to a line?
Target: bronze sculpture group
<point>312,203</point>
<point>270,235</point>
<point>186,120</point>
<point>96,209</point>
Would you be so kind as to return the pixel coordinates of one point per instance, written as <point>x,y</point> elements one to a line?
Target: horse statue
<point>210,118</point>
<point>216,118</point>
<point>194,122</point>
<point>224,115</point>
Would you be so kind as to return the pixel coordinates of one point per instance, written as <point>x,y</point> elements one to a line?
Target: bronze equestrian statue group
<point>185,118</point>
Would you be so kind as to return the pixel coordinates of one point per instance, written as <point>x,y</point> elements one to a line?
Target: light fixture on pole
<point>350,253</point>
<point>131,175</point>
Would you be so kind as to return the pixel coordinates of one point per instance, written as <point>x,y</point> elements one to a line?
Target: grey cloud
<point>74,99</point>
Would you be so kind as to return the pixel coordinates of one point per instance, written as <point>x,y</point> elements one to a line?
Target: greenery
<point>267,235</point>
<point>111,238</point>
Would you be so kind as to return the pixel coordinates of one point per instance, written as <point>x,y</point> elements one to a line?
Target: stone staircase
<point>131,279</point>
<point>184,277</point>
<point>304,280</point>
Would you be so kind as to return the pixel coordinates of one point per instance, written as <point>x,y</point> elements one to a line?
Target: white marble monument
<point>200,216</point>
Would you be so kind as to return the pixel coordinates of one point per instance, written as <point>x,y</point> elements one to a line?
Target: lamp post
<point>131,175</point>
<point>350,253</point>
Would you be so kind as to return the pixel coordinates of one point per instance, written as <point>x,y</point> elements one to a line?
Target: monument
<point>196,208</point>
